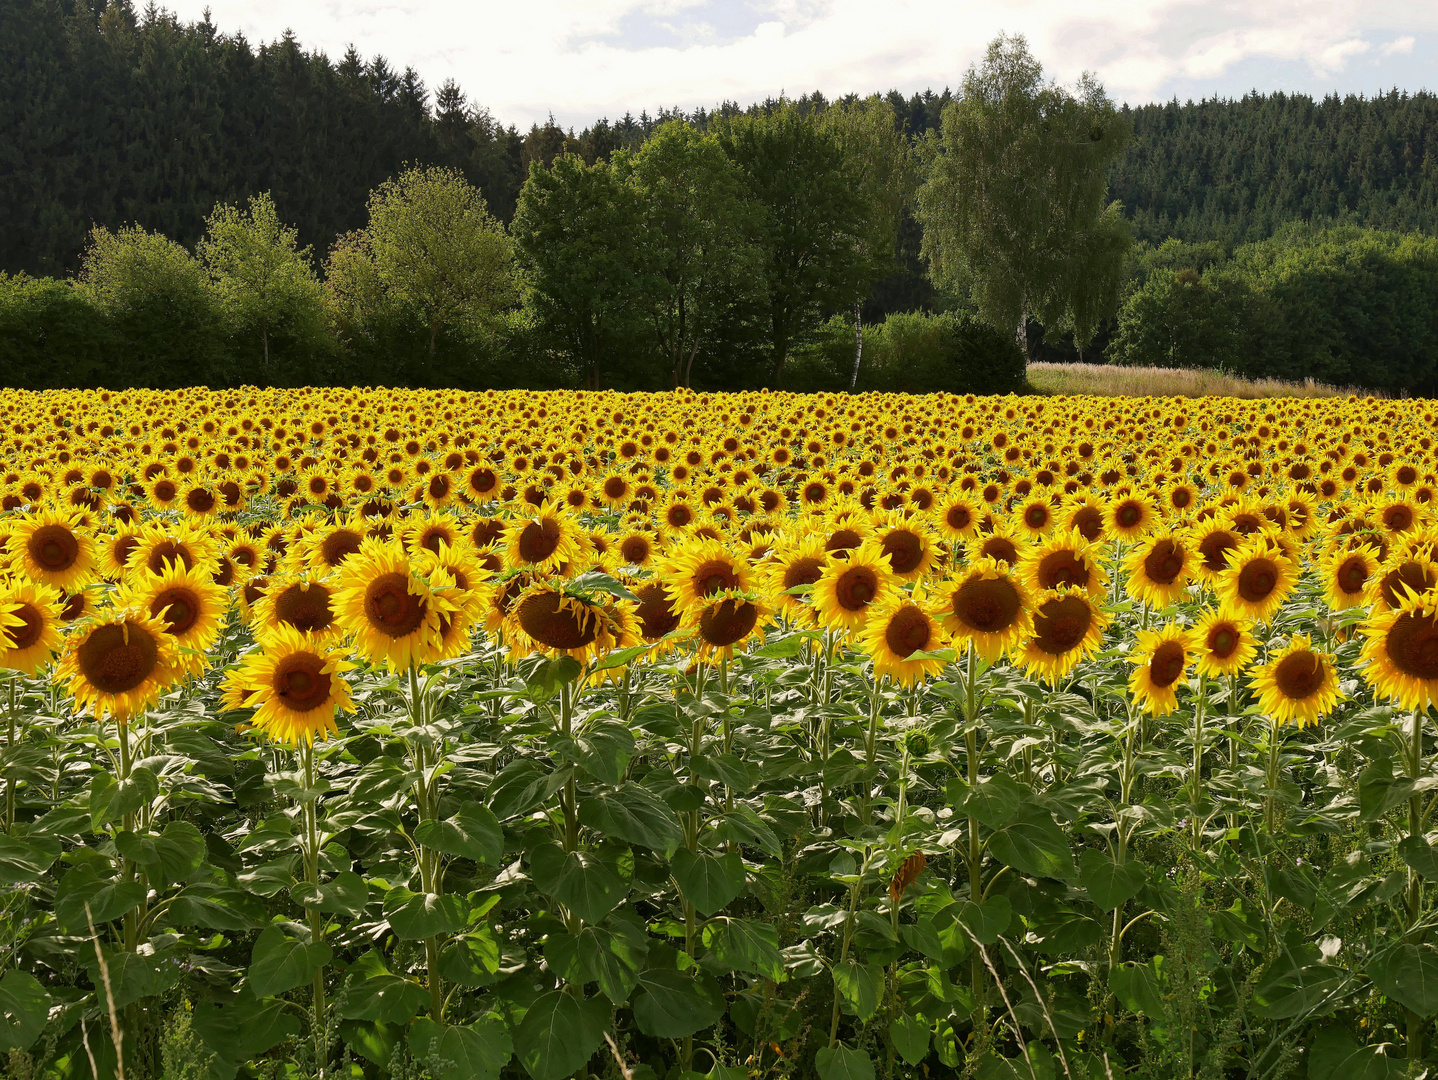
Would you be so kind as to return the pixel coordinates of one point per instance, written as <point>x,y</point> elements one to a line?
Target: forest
<point>144,126</point>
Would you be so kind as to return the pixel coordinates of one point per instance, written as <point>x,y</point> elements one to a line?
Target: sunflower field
<point>422,734</point>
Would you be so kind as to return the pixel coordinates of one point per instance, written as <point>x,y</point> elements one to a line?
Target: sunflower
<point>52,548</point>
<point>637,547</point>
<point>30,617</point>
<point>908,544</point>
<point>1346,575</point>
<point>797,563</point>
<point>1297,684</point>
<point>187,603</point>
<point>455,573</point>
<point>1035,517</point>
<point>1064,560</point>
<point>1159,568</point>
<point>957,517</point>
<point>551,619</point>
<point>1223,643</point>
<point>1159,660</point>
<point>848,588</point>
<point>392,613</point>
<point>703,569</point>
<point>1256,581</point>
<point>894,631</point>
<point>160,544</point>
<point>301,602</point>
<point>114,550</point>
<point>327,547</point>
<point>986,606</point>
<point>198,501</point>
<point>430,532</point>
<point>1128,517</point>
<point>1401,651</point>
<point>1000,542</point>
<point>1403,576</point>
<point>727,622</point>
<point>1067,627</point>
<point>294,684</point>
<point>1084,513</point>
<point>543,540</point>
<point>118,665</point>
<point>1212,541</point>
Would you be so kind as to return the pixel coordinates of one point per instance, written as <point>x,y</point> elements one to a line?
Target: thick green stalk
<point>12,714</point>
<point>314,915</point>
<point>1416,1024</point>
<point>426,809</point>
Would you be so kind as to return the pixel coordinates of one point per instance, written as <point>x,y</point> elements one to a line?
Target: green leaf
<point>559,1033</point>
<point>1337,1055</point>
<point>579,880</point>
<point>111,800</point>
<point>281,962</point>
<point>597,581</point>
<point>1295,982</point>
<point>994,800</point>
<point>604,750</point>
<point>373,992</point>
<point>473,960</point>
<point>473,833</point>
<point>519,786</point>
<point>25,1008</point>
<point>1378,790</point>
<point>414,916</point>
<point>107,899</point>
<point>133,976</point>
<point>635,815</point>
<point>549,674</point>
<point>841,1063</point>
<point>24,861</point>
<point>345,892</point>
<point>988,920</point>
<point>671,1004</point>
<point>1409,975</point>
<point>709,882</point>
<point>1109,882</point>
<point>787,647</point>
<point>1032,843</point>
<point>910,1036</point>
<point>478,1051</point>
<point>215,907</point>
<point>371,1039</point>
<point>242,1029</point>
<point>1137,988</point>
<point>859,985</point>
<point>1420,856</point>
<point>175,853</point>
<point>612,956</point>
<point>745,945</point>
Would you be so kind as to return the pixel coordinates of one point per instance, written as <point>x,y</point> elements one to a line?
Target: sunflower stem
<point>1270,807</point>
<point>12,714</point>
<point>312,875</point>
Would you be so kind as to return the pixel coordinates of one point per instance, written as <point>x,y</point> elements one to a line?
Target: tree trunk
<point>1021,336</point>
<point>265,341</point>
<point>858,344</point>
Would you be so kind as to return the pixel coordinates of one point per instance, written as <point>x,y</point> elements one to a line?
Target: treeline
<point>1346,306</point>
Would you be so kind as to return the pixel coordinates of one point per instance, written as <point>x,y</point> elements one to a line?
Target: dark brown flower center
<point>392,609</point>
<point>1088,521</point>
<point>1300,675</point>
<point>856,588</point>
<point>909,630</point>
<point>1062,567</point>
<point>539,540</point>
<point>168,551</point>
<point>905,550</point>
<point>1215,548</point>
<point>1001,548</point>
<point>54,548</point>
<point>1060,624</point>
<point>656,616</point>
<point>301,682</point>
<point>32,625</point>
<point>1223,640</point>
<point>1411,575</point>
<point>1166,664</point>
<point>118,657</point>
<point>987,605</point>
<point>177,608</point>
<point>634,550</point>
<point>306,609</point>
<point>727,622</point>
<point>1163,563</point>
<point>714,575</point>
<point>803,571</point>
<point>1257,579</point>
<point>1352,575</point>
<point>1412,644</point>
<point>549,620</point>
<point>338,545</point>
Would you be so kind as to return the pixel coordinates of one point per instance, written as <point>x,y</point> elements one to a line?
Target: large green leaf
<point>635,815</point>
<point>910,1036</point>
<point>559,1033</point>
<point>241,1029</point>
<point>1408,974</point>
<point>107,898</point>
<point>581,881</point>
<point>472,960</point>
<point>414,916</point>
<point>25,860</point>
<point>1420,856</point>
<point>372,1040</point>
<point>132,975</point>
<point>859,985</point>
<point>671,1004</point>
<point>24,1008</point>
<point>1032,843</point>
<point>1109,882</point>
<point>988,920</point>
<point>345,892</point>
<point>994,800</point>
<point>1296,982</point>
<point>215,907</point>
<point>475,1051</point>
<point>1337,1055</point>
<point>613,955</point>
<point>473,833</point>
<point>1137,988</point>
<point>745,945</point>
<point>373,992</point>
<point>282,961</point>
<point>842,1063</point>
<point>174,854</point>
<point>111,800</point>
<point>709,882</point>
<point>1379,791</point>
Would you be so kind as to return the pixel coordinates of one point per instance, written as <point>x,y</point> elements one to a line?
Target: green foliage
<point>1014,205</point>
<point>52,335</point>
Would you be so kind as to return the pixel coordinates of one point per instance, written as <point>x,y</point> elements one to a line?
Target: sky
<point>584,59</point>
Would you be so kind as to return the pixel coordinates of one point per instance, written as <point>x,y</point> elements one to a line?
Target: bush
<point>914,352</point>
<point>51,335</point>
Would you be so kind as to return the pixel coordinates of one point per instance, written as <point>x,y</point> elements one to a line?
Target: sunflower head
<point>1067,627</point>
<point>1159,568</point>
<point>294,684</point>
<point>895,631</point>
<point>1222,643</point>
<point>1257,579</point>
<point>390,611</point>
<point>544,540</point>
<point>1298,684</point>
<point>30,618</point>
<point>52,548</point>
<point>1066,560</point>
<point>704,570</point>
<point>1346,574</point>
<point>847,588</point>
<point>987,607</point>
<point>1401,651</point>
<point>1160,659</point>
<point>118,665</point>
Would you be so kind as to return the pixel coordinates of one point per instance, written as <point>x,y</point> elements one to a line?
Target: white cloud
<point>581,59</point>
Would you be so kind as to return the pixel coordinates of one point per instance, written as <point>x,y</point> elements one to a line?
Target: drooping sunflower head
<point>847,588</point>
<point>1401,651</point>
<point>1257,579</point>
<point>1064,560</point>
<point>986,606</point>
<point>52,548</point>
<point>553,618</point>
<point>30,618</point>
<point>897,629</point>
<point>1298,684</point>
<point>118,664</point>
<point>295,685</point>
<point>391,612</point>
<point>1067,627</point>
<point>1160,567</point>
<point>1222,644</point>
<point>1160,659</point>
<point>727,623</point>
